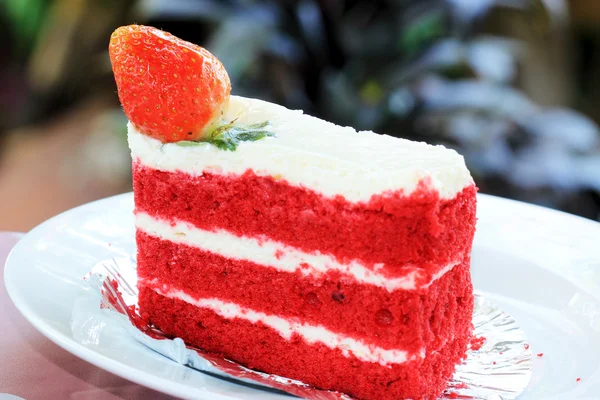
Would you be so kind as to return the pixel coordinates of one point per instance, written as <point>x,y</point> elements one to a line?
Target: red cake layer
<point>262,348</point>
<point>410,320</point>
<point>392,228</point>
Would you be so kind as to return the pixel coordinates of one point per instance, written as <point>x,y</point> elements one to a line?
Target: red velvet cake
<point>299,248</point>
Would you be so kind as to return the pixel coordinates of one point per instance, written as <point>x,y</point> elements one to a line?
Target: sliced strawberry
<point>172,90</point>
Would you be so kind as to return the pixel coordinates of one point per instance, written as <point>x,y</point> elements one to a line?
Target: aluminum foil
<point>498,364</point>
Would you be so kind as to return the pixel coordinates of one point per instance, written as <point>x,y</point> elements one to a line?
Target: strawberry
<point>170,89</point>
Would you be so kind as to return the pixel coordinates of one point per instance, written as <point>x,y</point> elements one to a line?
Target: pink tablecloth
<point>35,368</point>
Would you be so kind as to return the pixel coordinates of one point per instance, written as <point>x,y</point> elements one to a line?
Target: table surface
<point>34,368</point>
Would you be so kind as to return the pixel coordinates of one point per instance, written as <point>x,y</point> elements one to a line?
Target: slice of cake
<point>287,243</point>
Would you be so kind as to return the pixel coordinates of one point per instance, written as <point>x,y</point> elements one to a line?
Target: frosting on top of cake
<point>314,153</point>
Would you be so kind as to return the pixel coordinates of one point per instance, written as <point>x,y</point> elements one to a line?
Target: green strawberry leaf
<point>188,143</point>
<point>227,137</point>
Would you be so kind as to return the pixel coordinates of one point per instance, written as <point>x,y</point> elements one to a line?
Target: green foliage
<point>422,31</point>
<point>26,18</point>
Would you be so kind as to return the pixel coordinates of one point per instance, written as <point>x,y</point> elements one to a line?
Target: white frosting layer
<point>310,333</point>
<point>276,255</point>
<point>307,151</point>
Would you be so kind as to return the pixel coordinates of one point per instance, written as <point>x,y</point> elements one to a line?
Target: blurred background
<point>513,85</point>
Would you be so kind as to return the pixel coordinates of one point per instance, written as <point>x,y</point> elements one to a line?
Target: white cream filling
<point>287,328</point>
<point>277,255</point>
<point>313,153</point>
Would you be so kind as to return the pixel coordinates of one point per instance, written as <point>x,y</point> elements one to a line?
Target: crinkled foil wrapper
<point>500,368</point>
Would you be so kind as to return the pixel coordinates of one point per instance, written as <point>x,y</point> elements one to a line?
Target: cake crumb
<point>477,342</point>
<point>461,385</point>
<point>578,379</point>
<point>540,355</point>
<point>526,346</point>
<point>452,395</point>
<point>494,362</point>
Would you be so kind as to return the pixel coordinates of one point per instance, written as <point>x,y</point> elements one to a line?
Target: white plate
<point>539,265</point>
